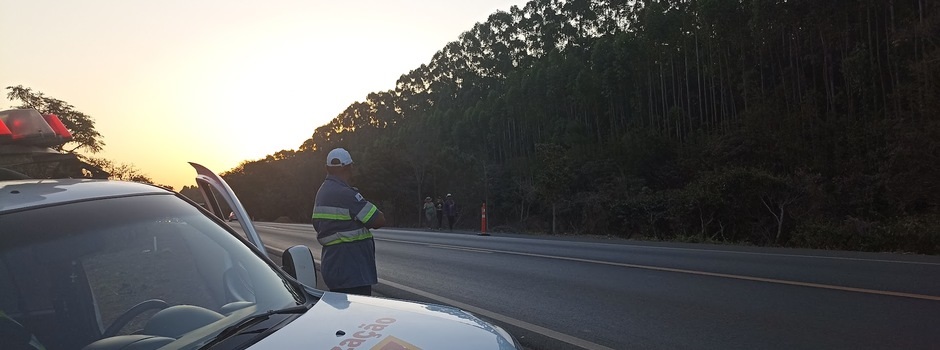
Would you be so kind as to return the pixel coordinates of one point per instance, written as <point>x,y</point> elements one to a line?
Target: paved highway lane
<point>583,293</point>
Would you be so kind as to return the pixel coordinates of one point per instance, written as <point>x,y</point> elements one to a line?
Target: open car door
<point>209,181</point>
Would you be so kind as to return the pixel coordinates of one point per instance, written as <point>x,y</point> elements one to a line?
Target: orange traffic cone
<point>483,220</point>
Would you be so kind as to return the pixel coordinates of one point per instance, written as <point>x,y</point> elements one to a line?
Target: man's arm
<point>370,215</point>
<point>378,221</point>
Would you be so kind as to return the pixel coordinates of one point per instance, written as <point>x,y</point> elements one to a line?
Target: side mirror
<point>298,262</point>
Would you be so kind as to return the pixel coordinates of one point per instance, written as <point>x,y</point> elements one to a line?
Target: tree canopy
<point>84,138</point>
<point>799,123</point>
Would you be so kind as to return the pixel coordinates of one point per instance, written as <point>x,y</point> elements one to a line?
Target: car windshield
<point>130,268</point>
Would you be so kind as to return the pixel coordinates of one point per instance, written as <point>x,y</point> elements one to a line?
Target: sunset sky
<point>218,82</point>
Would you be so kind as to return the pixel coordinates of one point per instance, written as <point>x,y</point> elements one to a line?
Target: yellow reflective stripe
<point>331,216</point>
<point>345,237</point>
<point>366,213</point>
<point>363,236</point>
<point>331,213</point>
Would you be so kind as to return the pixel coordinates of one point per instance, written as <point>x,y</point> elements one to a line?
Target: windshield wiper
<point>251,320</point>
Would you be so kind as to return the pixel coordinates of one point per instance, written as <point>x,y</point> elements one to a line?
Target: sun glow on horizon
<point>216,82</point>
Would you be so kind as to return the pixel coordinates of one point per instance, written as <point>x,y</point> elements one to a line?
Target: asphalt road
<point>568,293</point>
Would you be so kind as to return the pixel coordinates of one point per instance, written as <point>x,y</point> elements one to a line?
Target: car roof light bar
<point>57,126</point>
<point>5,132</point>
<point>30,128</point>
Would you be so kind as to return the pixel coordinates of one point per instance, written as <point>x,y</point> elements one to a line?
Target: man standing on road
<point>450,209</point>
<point>342,218</point>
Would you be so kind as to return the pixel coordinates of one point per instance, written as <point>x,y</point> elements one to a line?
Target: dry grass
<point>130,275</point>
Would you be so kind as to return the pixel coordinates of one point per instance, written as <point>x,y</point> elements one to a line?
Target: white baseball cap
<point>338,157</point>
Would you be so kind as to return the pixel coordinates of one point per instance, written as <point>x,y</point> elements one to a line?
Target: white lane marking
<point>718,251</point>
<point>475,250</point>
<point>723,275</point>
<point>500,317</point>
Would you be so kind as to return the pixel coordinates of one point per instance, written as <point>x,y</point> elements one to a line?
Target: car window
<point>138,262</point>
<point>70,273</point>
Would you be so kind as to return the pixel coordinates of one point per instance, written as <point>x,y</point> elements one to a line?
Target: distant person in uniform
<point>429,211</point>
<point>450,209</point>
<point>439,208</point>
<point>342,218</point>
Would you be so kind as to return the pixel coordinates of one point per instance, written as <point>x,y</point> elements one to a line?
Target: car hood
<point>341,321</point>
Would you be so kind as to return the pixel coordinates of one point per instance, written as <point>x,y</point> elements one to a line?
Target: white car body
<point>358,322</point>
<point>333,321</point>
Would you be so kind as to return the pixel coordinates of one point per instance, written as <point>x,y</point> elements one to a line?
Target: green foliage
<point>283,184</point>
<point>84,138</point>
<point>758,122</point>
<point>740,204</point>
<point>193,193</point>
<point>650,213</point>
<point>908,234</point>
<point>554,176</point>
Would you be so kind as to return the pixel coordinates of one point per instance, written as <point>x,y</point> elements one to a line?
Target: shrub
<point>913,234</point>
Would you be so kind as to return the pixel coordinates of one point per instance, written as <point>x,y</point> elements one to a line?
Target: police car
<point>98,265</point>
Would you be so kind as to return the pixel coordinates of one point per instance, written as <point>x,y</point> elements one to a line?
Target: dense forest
<point>798,123</point>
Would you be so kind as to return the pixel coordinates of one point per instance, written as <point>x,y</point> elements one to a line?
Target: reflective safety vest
<point>340,213</point>
<point>340,216</point>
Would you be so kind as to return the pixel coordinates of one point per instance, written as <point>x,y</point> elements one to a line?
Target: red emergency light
<point>28,127</point>
<point>5,133</point>
<point>57,126</point>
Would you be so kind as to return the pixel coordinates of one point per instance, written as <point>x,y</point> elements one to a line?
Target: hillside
<point>792,123</point>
